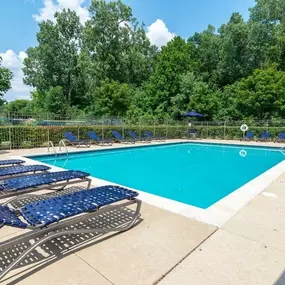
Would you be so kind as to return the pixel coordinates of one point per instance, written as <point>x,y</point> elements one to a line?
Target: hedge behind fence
<point>38,136</point>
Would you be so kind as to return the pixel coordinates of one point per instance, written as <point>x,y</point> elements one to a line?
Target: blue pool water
<point>195,174</point>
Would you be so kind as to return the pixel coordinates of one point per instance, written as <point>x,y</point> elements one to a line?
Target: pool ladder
<point>62,144</point>
<point>50,145</point>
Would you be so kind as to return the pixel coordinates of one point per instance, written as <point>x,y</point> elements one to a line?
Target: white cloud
<point>14,62</point>
<point>50,7</point>
<point>159,34</point>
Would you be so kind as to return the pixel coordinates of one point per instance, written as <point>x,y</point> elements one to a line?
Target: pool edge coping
<point>157,143</point>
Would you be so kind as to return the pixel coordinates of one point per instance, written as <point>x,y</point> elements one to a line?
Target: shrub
<point>38,136</point>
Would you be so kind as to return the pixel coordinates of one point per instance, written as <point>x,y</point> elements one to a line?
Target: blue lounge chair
<point>281,138</point>
<point>249,136</point>
<point>63,215</point>
<point>193,133</point>
<point>50,180</point>
<point>119,138</point>
<point>265,136</point>
<point>21,169</point>
<point>73,140</point>
<point>95,138</point>
<point>133,135</point>
<point>11,162</point>
<point>150,136</point>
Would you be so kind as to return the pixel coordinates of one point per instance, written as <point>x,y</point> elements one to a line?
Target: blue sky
<point>163,19</point>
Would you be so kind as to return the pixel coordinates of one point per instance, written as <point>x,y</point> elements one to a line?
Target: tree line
<point>108,67</point>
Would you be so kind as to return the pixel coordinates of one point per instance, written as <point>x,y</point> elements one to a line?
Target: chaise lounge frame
<point>59,186</point>
<point>55,230</point>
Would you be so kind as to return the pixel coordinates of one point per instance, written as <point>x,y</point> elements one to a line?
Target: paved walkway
<point>248,249</point>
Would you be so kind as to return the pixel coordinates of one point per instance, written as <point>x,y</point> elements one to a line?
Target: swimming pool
<point>195,174</point>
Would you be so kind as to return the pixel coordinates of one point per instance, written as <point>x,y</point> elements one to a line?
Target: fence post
<point>140,131</point>
<point>48,131</point>
<point>10,135</point>
<point>166,129</point>
<point>225,129</point>
<point>123,128</point>
<point>102,127</point>
<point>177,136</point>
<point>78,132</point>
<point>207,130</point>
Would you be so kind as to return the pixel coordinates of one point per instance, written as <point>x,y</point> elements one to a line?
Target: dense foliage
<point>109,67</point>
<point>5,81</point>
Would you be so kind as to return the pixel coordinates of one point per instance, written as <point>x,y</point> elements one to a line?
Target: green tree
<point>204,100</point>
<point>259,96</point>
<point>207,46</point>
<point>112,98</point>
<point>234,60</point>
<point>195,95</point>
<point>180,102</point>
<point>55,61</point>
<point>5,81</point>
<point>269,16</point>
<point>55,101</point>
<point>19,106</point>
<point>173,60</point>
<point>118,46</point>
<point>268,11</point>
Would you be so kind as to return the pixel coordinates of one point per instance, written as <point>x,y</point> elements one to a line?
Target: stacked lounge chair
<point>150,136</point>
<point>281,138</point>
<point>248,137</point>
<point>193,134</point>
<point>133,135</point>
<point>73,140</point>
<point>119,138</point>
<point>96,139</point>
<point>265,136</point>
<point>55,214</point>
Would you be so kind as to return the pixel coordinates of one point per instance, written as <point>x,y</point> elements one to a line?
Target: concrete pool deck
<point>166,248</point>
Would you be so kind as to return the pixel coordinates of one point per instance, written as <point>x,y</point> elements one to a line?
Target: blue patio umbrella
<point>193,114</point>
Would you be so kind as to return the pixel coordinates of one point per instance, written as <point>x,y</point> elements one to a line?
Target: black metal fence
<point>18,130</point>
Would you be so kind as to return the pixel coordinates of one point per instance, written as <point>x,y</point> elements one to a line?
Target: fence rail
<point>36,130</point>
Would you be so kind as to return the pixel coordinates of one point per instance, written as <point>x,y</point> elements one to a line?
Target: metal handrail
<point>50,144</point>
<point>62,144</point>
<point>282,150</point>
